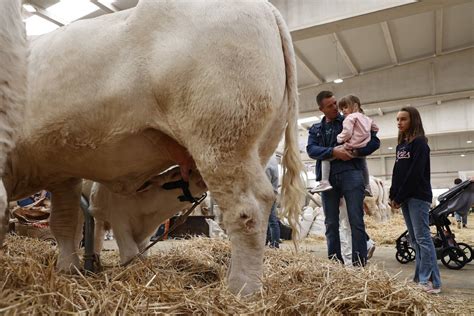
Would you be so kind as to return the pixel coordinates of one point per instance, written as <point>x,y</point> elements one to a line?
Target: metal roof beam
<point>306,65</point>
<point>41,12</point>
<point>109,8</point>
<point>372,18</point>
<point>345,56</point>
<point>389,41</point>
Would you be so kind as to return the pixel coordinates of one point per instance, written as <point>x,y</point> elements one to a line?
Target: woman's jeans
<point>416,214</point>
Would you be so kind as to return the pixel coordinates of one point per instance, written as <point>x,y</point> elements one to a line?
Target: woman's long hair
<point>416,126</point>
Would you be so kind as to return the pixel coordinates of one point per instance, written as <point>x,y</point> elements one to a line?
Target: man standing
<point>273,231</point>
<point>346,178</point>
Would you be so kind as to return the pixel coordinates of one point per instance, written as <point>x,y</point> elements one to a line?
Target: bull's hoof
<point>244,286</point>
<point>68,265</point>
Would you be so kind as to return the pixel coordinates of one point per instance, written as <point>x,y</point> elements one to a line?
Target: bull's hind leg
<point>66,222</point>
<point>245,196</point>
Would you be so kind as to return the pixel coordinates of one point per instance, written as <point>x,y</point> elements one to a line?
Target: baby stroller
<point>454,255</point>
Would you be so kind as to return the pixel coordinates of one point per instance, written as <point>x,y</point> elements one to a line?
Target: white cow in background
<point>377,205</point>
<point>122,97</point>
<point>135,218</point>
<point>13,72</point>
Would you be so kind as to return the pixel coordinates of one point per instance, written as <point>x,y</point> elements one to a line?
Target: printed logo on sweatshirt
<point>403,154</point>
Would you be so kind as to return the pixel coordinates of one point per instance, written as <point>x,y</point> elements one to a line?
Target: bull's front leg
<point>247,231</point>
<point>99,233</point>
<point>66,222</point>
<point>128,247</point>
<point>246,202</point>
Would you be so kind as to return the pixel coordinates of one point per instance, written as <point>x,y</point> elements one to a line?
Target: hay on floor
<point>189,278</point>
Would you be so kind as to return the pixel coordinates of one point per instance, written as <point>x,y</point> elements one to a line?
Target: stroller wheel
<point>406,255</point>
<point>454,258</point>
<point>466,249</point>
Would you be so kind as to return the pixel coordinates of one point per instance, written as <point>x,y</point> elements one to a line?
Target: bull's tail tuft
<point>293,188</point>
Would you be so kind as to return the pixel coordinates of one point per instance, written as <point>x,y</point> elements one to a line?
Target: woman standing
<point>411,190</point>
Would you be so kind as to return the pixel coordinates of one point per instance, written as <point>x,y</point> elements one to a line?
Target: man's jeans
<point>416,214</point>
<point>350,185</point>
<point>461,218</point>
<point>273,230</point>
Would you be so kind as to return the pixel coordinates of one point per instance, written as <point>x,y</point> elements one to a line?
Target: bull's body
<point>120,98</point>
<point>12,87</point>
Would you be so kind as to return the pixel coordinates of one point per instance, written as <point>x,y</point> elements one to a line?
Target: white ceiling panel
<point>304,77</point>
<point>366,46</point>
<point>414,36</point>
<point>321,53</point>
<point>458,26</point>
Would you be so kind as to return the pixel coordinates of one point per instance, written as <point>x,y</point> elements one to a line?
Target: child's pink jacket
<point>356,130</point>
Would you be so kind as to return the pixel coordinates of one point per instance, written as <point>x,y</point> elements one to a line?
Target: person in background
<point>43,194</point>
<point>273,230</point>
<point>356,133</point>
<point>460,219</point>
<point>345,177</point>
<point>411,190</point>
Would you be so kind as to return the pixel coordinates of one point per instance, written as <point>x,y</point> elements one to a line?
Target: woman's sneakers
<point>429,288</point>
<point>321,187</point>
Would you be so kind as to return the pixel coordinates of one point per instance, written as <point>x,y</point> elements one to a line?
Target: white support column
<point>439,31</point>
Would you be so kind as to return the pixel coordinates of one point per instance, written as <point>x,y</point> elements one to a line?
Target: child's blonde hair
<point>349,101</point>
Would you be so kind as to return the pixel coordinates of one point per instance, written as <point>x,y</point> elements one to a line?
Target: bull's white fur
<point>135,218</point>
<point>12,87</point>
<point>109,97</point>
<point>377,205</point>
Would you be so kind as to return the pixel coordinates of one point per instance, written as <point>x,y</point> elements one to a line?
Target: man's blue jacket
<point>319,150</point>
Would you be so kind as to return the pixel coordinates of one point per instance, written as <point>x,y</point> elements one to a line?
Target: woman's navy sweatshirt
<point>411,172</point>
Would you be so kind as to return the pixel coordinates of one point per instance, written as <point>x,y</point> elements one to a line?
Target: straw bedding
<point>387,233</point>
<point>189,279</point>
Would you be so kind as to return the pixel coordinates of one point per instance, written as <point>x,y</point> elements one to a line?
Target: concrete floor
<point>456,283</point>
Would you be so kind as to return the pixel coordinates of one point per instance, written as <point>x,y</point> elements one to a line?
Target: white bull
<point>122,97</point>
<point>13,73</point>
<point>377,205</point>
<point>135,218</point>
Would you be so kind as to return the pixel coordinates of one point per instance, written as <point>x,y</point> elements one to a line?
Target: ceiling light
<point>462,155</point>
<point>36,25</point>
<point>29,8</point>
<point>390,148</point>
<point>71,10</point>
<point>338,80</point>
<point>469,141</point>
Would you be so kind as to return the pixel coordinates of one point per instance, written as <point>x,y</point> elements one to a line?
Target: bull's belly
<point>122,164</point>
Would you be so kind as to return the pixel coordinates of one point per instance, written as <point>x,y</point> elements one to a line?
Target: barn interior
<point>391,54</point>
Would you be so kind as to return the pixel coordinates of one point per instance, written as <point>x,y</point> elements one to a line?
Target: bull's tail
<point>293,188</point>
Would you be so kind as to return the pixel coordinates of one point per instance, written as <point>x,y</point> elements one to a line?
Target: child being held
<point>355,134</point>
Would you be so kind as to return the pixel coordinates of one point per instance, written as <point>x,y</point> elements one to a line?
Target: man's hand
<point>394,204</point>
<point>340,153</point>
